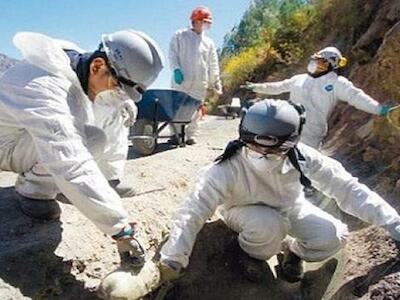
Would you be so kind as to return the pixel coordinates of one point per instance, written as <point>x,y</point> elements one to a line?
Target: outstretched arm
<point>211,190</point>
<point>330,177</point>
<point>346,91</point>
<point>272,88</point>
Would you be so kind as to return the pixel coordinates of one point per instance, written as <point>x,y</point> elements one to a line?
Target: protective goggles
<point>272,144</point>
<point>125,81</point>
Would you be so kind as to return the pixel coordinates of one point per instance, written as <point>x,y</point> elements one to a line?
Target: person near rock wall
<point>319,90</point>
<point>257,186</point>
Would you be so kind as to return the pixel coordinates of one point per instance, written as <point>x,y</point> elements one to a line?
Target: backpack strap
<point>295,156</point>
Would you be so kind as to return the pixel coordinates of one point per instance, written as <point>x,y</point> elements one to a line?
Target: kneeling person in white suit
<point>257,184</point>
<point>50,104</point>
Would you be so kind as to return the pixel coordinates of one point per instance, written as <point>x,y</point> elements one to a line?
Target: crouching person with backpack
<point>257,184</point>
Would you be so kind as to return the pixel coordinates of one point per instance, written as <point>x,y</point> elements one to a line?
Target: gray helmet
<point>273,123</point>
<point>135,59</point>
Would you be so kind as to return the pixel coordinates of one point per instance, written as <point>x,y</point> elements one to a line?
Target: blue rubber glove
<point>384,110</point>
<point>178,76</point>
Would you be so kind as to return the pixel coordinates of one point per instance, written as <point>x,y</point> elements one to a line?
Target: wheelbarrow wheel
<point>142,137</point>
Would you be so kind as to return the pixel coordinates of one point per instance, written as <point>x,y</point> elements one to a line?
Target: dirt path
<point>66,259</point>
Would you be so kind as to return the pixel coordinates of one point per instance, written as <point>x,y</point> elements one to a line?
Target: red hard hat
<point>201,13</point>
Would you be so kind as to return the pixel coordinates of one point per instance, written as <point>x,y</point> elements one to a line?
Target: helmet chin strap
<point>316,75</point>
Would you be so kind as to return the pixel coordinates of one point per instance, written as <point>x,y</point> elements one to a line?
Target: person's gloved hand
<point>129,112</point>
<point>178,76</point>
<point>384,110</point>
<point>130,248</point>
<point>169,270</point>
<point>249,86</point>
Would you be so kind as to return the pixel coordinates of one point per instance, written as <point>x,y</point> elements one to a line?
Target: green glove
<point>384,110</point>
<point>178,76</point>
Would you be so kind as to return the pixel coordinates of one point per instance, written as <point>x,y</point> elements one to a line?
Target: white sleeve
<point>44,113</point>
<point>346,91</point>
<point>211,190</point>
<point>173,53</point>
<point>215,81</point>
<point>274,88</point>
<point>330,177</point>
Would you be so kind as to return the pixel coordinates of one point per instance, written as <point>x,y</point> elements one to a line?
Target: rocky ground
<point>66,259</point>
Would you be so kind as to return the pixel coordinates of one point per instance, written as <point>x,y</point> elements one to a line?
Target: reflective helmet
<point>331,55</point>
<point>275,124</point>
<point>134,58</point>
<point>201,13</point>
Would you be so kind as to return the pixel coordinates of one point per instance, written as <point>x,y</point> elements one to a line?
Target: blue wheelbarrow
<point>157,109</point>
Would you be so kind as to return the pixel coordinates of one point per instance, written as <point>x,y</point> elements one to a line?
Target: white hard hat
<point>332,55</point>
<point>135,58</point>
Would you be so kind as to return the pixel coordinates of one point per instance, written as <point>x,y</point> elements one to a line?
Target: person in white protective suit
<point>319,90</point>
<point>194,62</point>
<point>47,125</point>
<point>257,184</point>
<point>114,112</point>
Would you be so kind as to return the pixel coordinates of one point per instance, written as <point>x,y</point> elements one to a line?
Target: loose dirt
<point>66,259</point>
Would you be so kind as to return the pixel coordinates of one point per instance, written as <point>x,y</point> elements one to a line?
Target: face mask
<point>312,66</point>
<point>205,27</point>
<point>113,98</point>
<point>262,163</point>
<point>273,157</point>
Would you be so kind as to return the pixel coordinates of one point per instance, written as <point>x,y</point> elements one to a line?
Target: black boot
<point>253,269</point>
<point>191,141</point>
<point>46,210</point>
<point>123,190</point>
<point>290,266</point>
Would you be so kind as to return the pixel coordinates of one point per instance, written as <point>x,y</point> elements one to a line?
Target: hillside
<point>6,62</point>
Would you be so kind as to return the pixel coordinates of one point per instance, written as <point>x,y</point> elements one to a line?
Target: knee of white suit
<point>36,184</point>
<point>324,243</point>
<point>96,140</point>
<point>261,230</point>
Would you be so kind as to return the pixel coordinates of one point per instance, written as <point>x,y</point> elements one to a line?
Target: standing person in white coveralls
<point>318,91</point>
<point>256,183</point>
<point>194,62</point>
<point>47,125</point>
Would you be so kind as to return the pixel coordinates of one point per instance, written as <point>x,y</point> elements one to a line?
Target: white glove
<point>394,231</point>
<point>129,112</point>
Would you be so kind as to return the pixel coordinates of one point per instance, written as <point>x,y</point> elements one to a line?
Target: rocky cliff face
<point>356,136</point>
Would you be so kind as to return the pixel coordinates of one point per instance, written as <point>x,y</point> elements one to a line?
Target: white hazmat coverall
<point>44,136</point>
<point>319,97</point>
<point>195,55</point>
<point>264,202</point>
<point>110,114</point>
